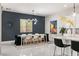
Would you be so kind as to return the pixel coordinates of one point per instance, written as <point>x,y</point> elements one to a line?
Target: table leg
<point>21,47</point>
<point>0,50</point>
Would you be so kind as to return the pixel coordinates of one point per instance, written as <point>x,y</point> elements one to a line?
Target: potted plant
<point>63,30</point>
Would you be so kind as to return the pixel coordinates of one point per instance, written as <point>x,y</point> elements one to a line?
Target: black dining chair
<point>75,46</point>
<point>59,43</point>
<point>17,40</point>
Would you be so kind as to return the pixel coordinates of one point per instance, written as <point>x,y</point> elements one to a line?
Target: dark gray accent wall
<point>11,24</point>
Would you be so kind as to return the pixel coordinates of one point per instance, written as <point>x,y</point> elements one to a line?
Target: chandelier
<point>33,19</point>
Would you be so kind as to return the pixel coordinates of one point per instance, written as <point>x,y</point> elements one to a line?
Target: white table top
<point>70,37</point>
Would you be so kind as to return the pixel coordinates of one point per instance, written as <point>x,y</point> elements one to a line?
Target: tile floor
<point>40,49</point>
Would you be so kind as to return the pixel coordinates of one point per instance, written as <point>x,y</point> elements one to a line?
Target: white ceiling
<point>43,9</point>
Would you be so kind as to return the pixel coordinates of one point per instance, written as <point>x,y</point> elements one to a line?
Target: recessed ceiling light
<point>65,5</point>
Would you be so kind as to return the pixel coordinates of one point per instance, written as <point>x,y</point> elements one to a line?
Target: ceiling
<point>42,9</point>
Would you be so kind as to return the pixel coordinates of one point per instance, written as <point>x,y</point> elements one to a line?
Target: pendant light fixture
<point>34,19</point>
<point>74,10</point>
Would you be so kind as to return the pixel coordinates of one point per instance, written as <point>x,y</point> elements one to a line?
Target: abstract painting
<point>25,25</point>
<point>53,27</point>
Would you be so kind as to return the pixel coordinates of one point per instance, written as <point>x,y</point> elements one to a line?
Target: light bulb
<point>35,21</point>
<point>74,14</point>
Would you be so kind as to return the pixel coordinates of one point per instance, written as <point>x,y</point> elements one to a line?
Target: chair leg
<point>54,50</point>
<point>0,50</point>
<point>77,53</point>
<point>63,51</point>
<point>71,52</point>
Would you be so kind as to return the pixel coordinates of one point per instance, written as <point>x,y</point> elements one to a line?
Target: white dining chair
<point>28,39</point>
<point>36,38</point>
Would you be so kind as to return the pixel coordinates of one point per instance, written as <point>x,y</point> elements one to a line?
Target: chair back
<point>23,35</point>
<point>28,37</point>
<point>17,40</point>
<point>58,42</point>
<point>36,35</point>
<point>75,45</point>
<point>16,36</point>
<point>42,35</point>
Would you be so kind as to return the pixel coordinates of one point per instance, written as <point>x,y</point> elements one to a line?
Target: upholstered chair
<point>28,39</point>
<point>36,38</point>
<point>42,36</point>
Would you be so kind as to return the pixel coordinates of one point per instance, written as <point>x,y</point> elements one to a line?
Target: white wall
<point>47,25</point>
<point>48,18</point>
<point>0,21</point>
<point>77,21</point>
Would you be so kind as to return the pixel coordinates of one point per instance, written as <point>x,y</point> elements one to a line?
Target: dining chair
<point>17,40</point>
<point>28,39</point>
<point>75,46</point>
<point>42,36</point>
<point>59,43</point>
<point>36,38</point>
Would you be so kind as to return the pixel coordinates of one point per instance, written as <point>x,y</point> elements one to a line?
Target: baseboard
<point>7,42</point>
